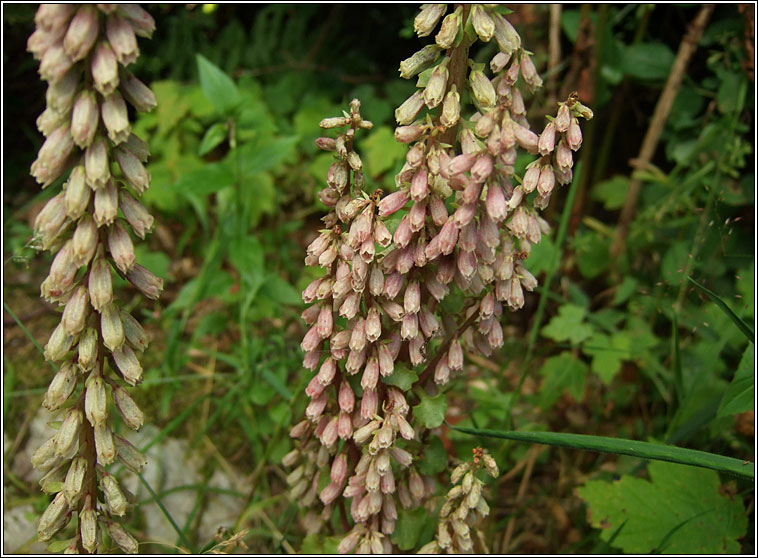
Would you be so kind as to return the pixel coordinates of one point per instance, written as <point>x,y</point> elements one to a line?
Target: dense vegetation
<point>641,327</point>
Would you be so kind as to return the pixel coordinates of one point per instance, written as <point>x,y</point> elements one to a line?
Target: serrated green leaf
<point>679,511</point>
<point>568,325</point>
<point>434,458</point>
<point>218,87</point>
<point>611,192</point>
<point>562,372</point>
<point>212,138</point>
<point>740,394</point>
<point>607,352</point>
<point>402,377</point>
<point>431,410</point>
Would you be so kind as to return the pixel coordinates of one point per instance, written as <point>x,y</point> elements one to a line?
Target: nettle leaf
<point>562,372</point>
<point>568,325</point>
<point>431,410</point>
<point>681,510</point>
<point>740,394</point>
<point>434,459</point>
<point>218,87</point>
<point>402,378</point>
<point>212,138</point>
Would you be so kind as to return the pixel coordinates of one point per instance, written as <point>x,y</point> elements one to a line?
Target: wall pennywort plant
<point>84,51</point>
<point>385,337</point>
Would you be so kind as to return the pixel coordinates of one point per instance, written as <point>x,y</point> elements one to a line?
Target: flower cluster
<point>83,52</point>
<point>463,507</point>
<point>461,221</point>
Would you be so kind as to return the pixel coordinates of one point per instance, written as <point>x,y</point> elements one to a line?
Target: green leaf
<point>611,192</point>
<point>217,86</point>
<point>434,459</point>
<point>568,325</point>
<point>207,180</point>
<point>742,326</point>
<point>681,510</point>
<point>56,547</point>
<point>591,253</point>
<point>381,151</point>
<point>402,377</point>
<point>265,153</point>
<point>728,93</point>
<point>408,528</point>
<point>562,372</point>
<point>277,289</point>
<point>648,61</point>
<point>319,544</point>
<point>246,255</point>
<point>431,410</point>
<point>624,290</point>
<point>607,352</point>
<point>740,394</point>
<point>604,444</point>
<point>542,257</point>
<point>213,136</point>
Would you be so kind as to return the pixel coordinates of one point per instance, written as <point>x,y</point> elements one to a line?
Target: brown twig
<point>660,115</point>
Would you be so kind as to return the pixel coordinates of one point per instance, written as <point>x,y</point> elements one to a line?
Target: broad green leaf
<point>561,372</point>
<point>265,153</point>
<point>212,138</point>
<point>681,510</point>
<point>246,255</point>
<point>402,377</point>
<point>381,151</point>
<point>611,192</point>
<point>568,325</point>
<point>648,61</point>
<point>607,352</point>
<point>591,253</point>
<point>408,528</point>
<point>728,93</point>
<point>740,394</point>
<point>624,290</point>
<point>431,410</point>
<point>217,86</point>
<point>277,289</point>
<point>434,458</point>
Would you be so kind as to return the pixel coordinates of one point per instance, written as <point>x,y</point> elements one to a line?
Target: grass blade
<point>158,501</point>
<point>620,446</point>
<point>742,326</point>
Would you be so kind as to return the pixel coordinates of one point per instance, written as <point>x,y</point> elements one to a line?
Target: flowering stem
<point>457,67</point>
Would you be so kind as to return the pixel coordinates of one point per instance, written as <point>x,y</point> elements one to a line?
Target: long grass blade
<point>644,450</point>
<point>742,326</point>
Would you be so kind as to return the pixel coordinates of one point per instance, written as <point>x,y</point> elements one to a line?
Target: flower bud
<point>127,408</point>
<point>136,93</point>
<point>60,95</point>
<point>68,433</point>
<point>482,88</point>
<point>87,349</point>
<point>76,311</point>
<point>435,87</point>
<point>142,22</point>
<point>133,170</point>
<point>573,136</point>
<point>483,23</point>
<point>407,134</point>
<point>42,40</point>
<point>88,529</point>
<point>54,518</point>
<point>546,181</point>
<point>146,282</point>
<point>85,240</point>
<point>546,142</point>
<point>122,40</point>
<point>77,193</point>
<point>95,401</point>
<point>82,33</point>
<point>121,247</point>
<point>118,534</point>
<point>130,456</point>
<point>407,112</point>
<point>526,138</point>
<point>419,62</point>
<point>54,63</point>
<point>53,156</point>
<point>506,36</point>
<point>114,497</point>
<point>529,72</point>
<point>138,217</point>
<point>110,326</point>
<point>104,69</point>
<point>427,19</point>
<point>563,118</point>
<point>449,30</point>
<point>393,202</point>
<point>128,364</point>
<point>106,450</point>
<point>100,288</point>
<point>115,118</point>
<point>59,344</point>
<point>61,387</point>
<point>134,332</point>
<point>74,483</point>
<point>96,164</point>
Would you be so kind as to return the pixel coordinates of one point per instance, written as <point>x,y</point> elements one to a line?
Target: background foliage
<point>626,347</point>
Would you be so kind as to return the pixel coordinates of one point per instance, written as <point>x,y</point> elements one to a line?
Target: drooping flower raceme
<point>462,221</point>
<point>84,51</point>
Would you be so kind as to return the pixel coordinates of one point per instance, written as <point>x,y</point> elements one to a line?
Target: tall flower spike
<point>376,308</point>
<point>82,49</point>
